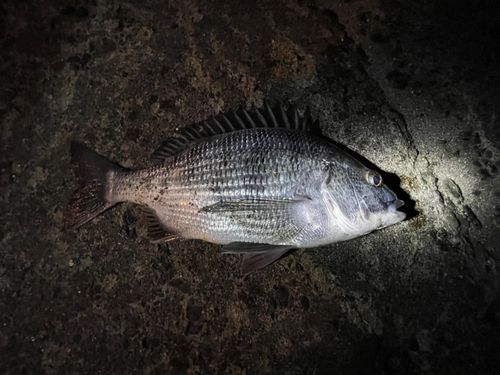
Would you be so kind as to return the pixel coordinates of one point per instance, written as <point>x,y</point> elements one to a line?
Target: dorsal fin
<point>265,117</point>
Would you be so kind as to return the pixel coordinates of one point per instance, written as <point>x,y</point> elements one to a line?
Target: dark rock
<point>412,87</point>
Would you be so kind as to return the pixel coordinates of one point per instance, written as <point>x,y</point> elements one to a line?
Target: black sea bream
<point>254,180</point>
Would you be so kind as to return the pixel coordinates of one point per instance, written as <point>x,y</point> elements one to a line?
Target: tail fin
<point>90,199</point>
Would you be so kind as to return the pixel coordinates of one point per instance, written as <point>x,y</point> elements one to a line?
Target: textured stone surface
<point>411,86</point>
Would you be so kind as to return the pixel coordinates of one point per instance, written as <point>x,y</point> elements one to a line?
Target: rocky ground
<point>412,86</point>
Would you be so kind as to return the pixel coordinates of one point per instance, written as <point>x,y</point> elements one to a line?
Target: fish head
<point>360,200</point>
<point>377,204</point>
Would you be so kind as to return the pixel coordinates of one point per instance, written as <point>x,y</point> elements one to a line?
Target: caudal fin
<point>90,199</point>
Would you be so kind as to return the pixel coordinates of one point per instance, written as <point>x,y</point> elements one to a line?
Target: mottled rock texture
<point>412,86</point>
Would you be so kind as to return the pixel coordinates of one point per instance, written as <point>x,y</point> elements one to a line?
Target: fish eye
<point>374,178</point>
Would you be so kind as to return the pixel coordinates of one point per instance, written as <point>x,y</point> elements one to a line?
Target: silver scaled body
<point>271,186</point>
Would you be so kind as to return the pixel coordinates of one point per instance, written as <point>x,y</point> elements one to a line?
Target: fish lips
<point>393,208</point>
<point>395,204</point>
<point>394,216</point>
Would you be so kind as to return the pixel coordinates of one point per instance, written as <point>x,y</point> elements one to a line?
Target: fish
<point>258,181</point>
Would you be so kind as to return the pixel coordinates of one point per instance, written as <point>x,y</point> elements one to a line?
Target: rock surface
<point>411,86</point>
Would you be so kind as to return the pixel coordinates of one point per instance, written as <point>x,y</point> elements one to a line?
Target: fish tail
<point>90,199</point>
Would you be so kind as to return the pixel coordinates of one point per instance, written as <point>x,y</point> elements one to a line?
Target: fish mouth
<point>395,204</point>
<point>395,216</point>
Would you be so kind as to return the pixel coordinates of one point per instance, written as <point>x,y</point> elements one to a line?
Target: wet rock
<point>183,286</point>
<point>398,79</point>
<point>283,295</point>
<point>408,88</point>
<point>304,301</point>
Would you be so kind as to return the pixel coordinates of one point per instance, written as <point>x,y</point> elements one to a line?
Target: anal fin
<point>156,231</point>
<point>166,238</point>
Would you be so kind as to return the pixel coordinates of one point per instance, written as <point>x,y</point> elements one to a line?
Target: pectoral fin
<point>283,220</point>
<point>231,208</point>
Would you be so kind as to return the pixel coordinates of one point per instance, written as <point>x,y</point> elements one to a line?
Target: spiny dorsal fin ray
<point>293,116</point>
<point>257,112</point>
<point>265,117</point>
<point>270,115</point>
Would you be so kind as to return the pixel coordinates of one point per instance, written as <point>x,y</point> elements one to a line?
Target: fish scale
<point>256,181</point>
<point>239,166</point>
